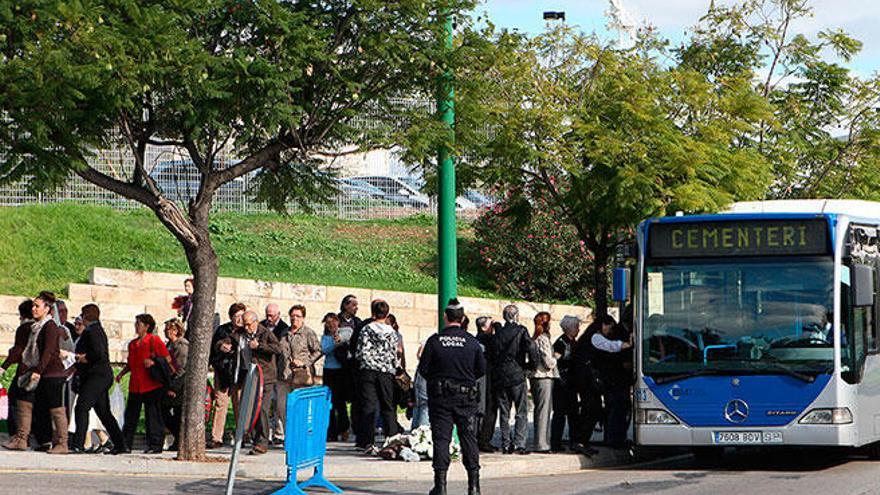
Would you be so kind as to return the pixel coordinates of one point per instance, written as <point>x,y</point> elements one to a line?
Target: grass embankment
<point>50,246</point>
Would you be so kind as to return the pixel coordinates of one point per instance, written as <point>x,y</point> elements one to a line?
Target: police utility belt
<point>447,387</point>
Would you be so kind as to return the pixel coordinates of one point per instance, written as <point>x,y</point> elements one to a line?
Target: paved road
<point>789,472</point>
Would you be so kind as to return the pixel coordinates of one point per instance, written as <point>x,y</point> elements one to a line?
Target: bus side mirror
<point>621,279</point>
<point>863,286</point>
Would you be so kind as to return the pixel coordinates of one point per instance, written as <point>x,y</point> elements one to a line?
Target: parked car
<point>179,181</point>
<point>359,189</point>
<point>396,190</point>
<point>470,199</point>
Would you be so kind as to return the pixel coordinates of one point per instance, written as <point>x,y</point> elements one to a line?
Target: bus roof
<point>849,207</point>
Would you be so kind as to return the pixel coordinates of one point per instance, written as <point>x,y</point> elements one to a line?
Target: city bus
<point>756,327</point>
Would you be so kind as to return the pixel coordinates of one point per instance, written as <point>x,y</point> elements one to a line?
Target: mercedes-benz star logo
<point>736,411</point>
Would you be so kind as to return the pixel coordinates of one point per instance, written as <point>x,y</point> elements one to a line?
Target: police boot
<point>474,482</point>
<point>439,483</point>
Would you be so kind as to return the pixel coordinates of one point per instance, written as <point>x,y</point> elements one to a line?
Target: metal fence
<point>175,174</point>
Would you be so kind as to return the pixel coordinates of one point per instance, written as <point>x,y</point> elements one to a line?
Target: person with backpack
<point>514,357</point>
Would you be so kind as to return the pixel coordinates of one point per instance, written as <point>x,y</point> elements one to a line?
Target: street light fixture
<point>554,16</point>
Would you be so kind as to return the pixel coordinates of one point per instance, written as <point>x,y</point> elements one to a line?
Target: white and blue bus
<point>757,327</point>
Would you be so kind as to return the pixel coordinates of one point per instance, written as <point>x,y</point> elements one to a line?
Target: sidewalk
<point>342,463</point>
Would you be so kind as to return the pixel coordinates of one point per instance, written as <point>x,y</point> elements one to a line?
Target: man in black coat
<point>512,349</point>
<point>93,380</point>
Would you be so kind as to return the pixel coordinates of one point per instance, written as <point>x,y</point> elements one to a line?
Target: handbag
<point>160,371</point>
<point>25,383</point>
<point>302,377</point>
<point>403,381</point>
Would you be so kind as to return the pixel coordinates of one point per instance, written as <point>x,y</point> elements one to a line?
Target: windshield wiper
<point>714,371</point>
<point>790,372</point>
<point>681,376</point>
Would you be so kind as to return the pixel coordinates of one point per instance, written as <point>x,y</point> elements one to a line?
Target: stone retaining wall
<point>122,294</point>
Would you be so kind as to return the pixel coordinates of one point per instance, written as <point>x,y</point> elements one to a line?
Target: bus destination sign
<point>739,238</point>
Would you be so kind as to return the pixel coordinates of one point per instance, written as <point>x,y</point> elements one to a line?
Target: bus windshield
<point>738,316</point>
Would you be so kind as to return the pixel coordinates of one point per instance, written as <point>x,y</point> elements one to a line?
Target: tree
<point>606,136</point>
<point>280,83</point>
<point>823,138</point>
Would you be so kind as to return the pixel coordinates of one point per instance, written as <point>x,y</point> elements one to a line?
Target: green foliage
<point>380,254</point>
<point>605,136</point>
<point>822,137</point>
<point>542,260</point>
<point>282,83</point>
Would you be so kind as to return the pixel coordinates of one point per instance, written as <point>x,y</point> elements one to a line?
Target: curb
<point>340,467</point>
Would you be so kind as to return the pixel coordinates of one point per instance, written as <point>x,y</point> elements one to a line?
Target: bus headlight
<point>828,416</point>
<point>655,417</point>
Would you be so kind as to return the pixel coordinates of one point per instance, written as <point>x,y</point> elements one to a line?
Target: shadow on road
<point>788,460</point>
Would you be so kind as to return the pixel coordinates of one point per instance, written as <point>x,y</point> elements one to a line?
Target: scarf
<point>30,358</point>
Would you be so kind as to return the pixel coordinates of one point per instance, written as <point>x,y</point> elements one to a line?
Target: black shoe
<point>474,482</point>
<point>43,448</point>
<point>153,450</point>
<point>439,483</point>
<point>173,447</point>
<point>118,450</point>
<point>521,452</point>
<point>488,449</point>
<point>104,447</point>
<point>586,450</point>
<point>77,450</point>
<point>506,450</point>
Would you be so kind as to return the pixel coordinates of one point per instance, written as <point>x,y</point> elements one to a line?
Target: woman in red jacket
<point>143,389</point>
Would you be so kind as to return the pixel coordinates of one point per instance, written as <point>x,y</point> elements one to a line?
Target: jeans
<point>420,414</point>
<point>513,396</point>
<point>337,380</point>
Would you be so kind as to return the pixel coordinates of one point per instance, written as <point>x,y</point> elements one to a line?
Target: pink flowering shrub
<point>540,260</point>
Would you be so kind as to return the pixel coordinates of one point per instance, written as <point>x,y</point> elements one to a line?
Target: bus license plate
<point>747,437</point>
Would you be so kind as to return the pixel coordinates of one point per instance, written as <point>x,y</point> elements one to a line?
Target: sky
<point>860,18</point>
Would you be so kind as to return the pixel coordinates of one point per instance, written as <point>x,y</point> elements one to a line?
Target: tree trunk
<point>203,263</point>
<point>601,256</point>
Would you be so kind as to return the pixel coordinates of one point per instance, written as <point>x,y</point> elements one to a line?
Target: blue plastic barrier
<point>305,439</point>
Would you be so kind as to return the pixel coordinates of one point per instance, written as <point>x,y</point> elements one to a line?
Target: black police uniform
<point>451,362</point>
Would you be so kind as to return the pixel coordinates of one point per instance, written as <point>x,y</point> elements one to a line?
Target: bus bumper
<point>793,434</point>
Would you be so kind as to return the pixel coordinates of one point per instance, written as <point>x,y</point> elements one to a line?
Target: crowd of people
<point>64,377</point>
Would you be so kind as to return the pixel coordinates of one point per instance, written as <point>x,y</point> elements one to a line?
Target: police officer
<point>452,361</point>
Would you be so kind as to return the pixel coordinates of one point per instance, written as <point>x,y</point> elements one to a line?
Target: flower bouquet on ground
<point>417,445</point>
